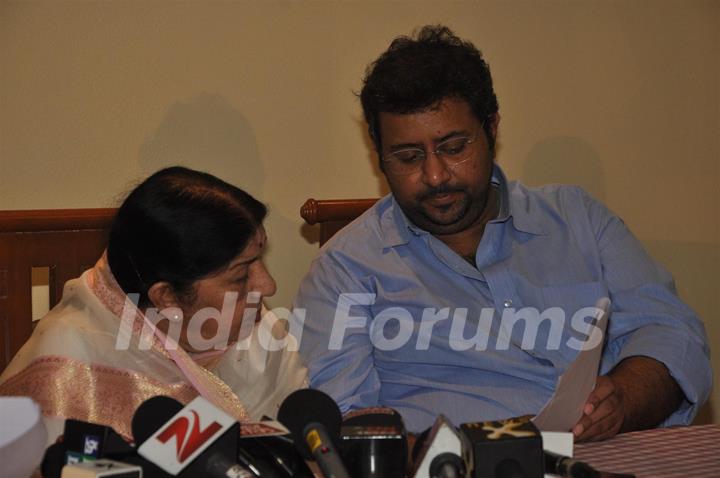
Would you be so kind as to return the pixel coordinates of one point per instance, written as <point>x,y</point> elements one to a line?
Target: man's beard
<point>465,210</point>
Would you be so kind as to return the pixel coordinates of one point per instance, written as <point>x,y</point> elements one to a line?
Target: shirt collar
<point>514,204</point>
<point>397,228</point>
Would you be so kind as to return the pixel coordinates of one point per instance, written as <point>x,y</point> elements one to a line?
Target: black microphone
<point>373,443</point>
<point>84,441</point>
<point>314,420</point>
<point>151,415</point>
<point>441,452</point>
<point>262,451</point>
<point>94,441</point>
<point>277,451</point>
<point>567,467</point>
<point>197,440</point>
<point>447,465</point>
<point>510,448</point>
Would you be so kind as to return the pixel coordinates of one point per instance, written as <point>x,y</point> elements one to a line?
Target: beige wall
<point>622,97</point>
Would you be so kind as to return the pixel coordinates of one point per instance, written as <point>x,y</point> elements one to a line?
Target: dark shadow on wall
<point>565,160</point>
<point>705,415</point>
<point>208,134</point>
<point>311,234</point>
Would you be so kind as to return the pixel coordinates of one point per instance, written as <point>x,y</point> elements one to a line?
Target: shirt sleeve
<point>647,317</point>
<point>335,342</point>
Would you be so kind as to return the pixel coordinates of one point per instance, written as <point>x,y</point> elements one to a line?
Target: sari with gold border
<point>75,366</point>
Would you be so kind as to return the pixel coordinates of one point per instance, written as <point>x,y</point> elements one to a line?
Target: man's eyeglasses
<point>452,152</point>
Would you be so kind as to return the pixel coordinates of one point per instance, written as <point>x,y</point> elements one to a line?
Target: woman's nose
<point>263,282</point>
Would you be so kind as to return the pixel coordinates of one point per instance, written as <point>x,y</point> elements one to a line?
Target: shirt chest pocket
<point>568,297</point>
<point>554,314</point>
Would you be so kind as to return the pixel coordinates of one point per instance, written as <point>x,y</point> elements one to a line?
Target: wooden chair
<point>66,241</point>
<point>333,214</point>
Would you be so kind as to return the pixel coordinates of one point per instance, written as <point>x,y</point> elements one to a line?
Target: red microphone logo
<point>185,442</point>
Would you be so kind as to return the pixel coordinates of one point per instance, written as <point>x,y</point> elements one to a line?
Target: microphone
<point>276,450</point>
<point>53,460</point>
<point>264,447</point>
<point>152,414</point>
<point>374,443</point>
<point>567,467</point>
<point>89,441</point>
<point>510,448</point>
<point>314,419</point>
<point>82,442</point>
<point>198,440</point>
<point>442,452</point>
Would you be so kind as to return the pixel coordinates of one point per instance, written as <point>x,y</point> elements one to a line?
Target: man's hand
<point>603,414</point>
<point>638,393</point>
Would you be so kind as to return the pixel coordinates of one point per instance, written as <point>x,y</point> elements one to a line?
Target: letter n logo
<point>185,442</point>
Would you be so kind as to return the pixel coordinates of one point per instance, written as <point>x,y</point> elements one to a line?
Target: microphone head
<point>506,448</point>
<point>373,416</point>
<point>448,464</point>
<point>307,406</point>
<point>151,415</point>
<point>54,460</point>
<point>437,448</point>
<point>374,443</point>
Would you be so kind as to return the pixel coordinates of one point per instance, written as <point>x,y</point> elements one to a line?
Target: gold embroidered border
<point>68,388</point>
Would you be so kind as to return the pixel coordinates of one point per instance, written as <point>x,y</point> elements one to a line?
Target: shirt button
<point>507,303</point>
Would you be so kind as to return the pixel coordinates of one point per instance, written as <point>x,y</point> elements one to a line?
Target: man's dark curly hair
<point>415,74</point>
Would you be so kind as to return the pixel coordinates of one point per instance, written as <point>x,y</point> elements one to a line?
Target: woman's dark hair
<point>416,74</point>
<point>179,225</point>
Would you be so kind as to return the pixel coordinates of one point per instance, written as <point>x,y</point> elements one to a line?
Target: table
<point>687,452</point>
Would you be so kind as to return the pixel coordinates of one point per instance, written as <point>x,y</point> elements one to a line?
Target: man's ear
<point>162,295</point>
<point>494,122</point>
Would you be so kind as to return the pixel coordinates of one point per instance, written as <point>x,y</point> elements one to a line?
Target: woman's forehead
<point>253,248</point>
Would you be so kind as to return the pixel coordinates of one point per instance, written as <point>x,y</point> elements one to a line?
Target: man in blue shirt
<point>465,294</point>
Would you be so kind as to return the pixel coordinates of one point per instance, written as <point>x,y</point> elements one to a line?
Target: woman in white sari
<point>186,248</point>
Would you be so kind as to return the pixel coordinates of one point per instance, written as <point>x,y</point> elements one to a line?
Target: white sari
<point>73,369</point>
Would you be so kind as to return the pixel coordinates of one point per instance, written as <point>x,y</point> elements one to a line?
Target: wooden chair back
<point>69,241</point>
<point>66,241</point>
<point>333,214</point>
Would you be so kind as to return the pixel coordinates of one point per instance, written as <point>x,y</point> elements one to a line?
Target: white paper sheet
<point>565,407</point>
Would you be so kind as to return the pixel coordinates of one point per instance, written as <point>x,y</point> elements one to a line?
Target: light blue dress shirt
<point>549,247</point>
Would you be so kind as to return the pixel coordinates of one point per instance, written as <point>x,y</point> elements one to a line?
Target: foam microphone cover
<point>148,418</point>
<point>151,415</point>
<point>307,406</point>
<point>53,460</point>
<point>374,443</point>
